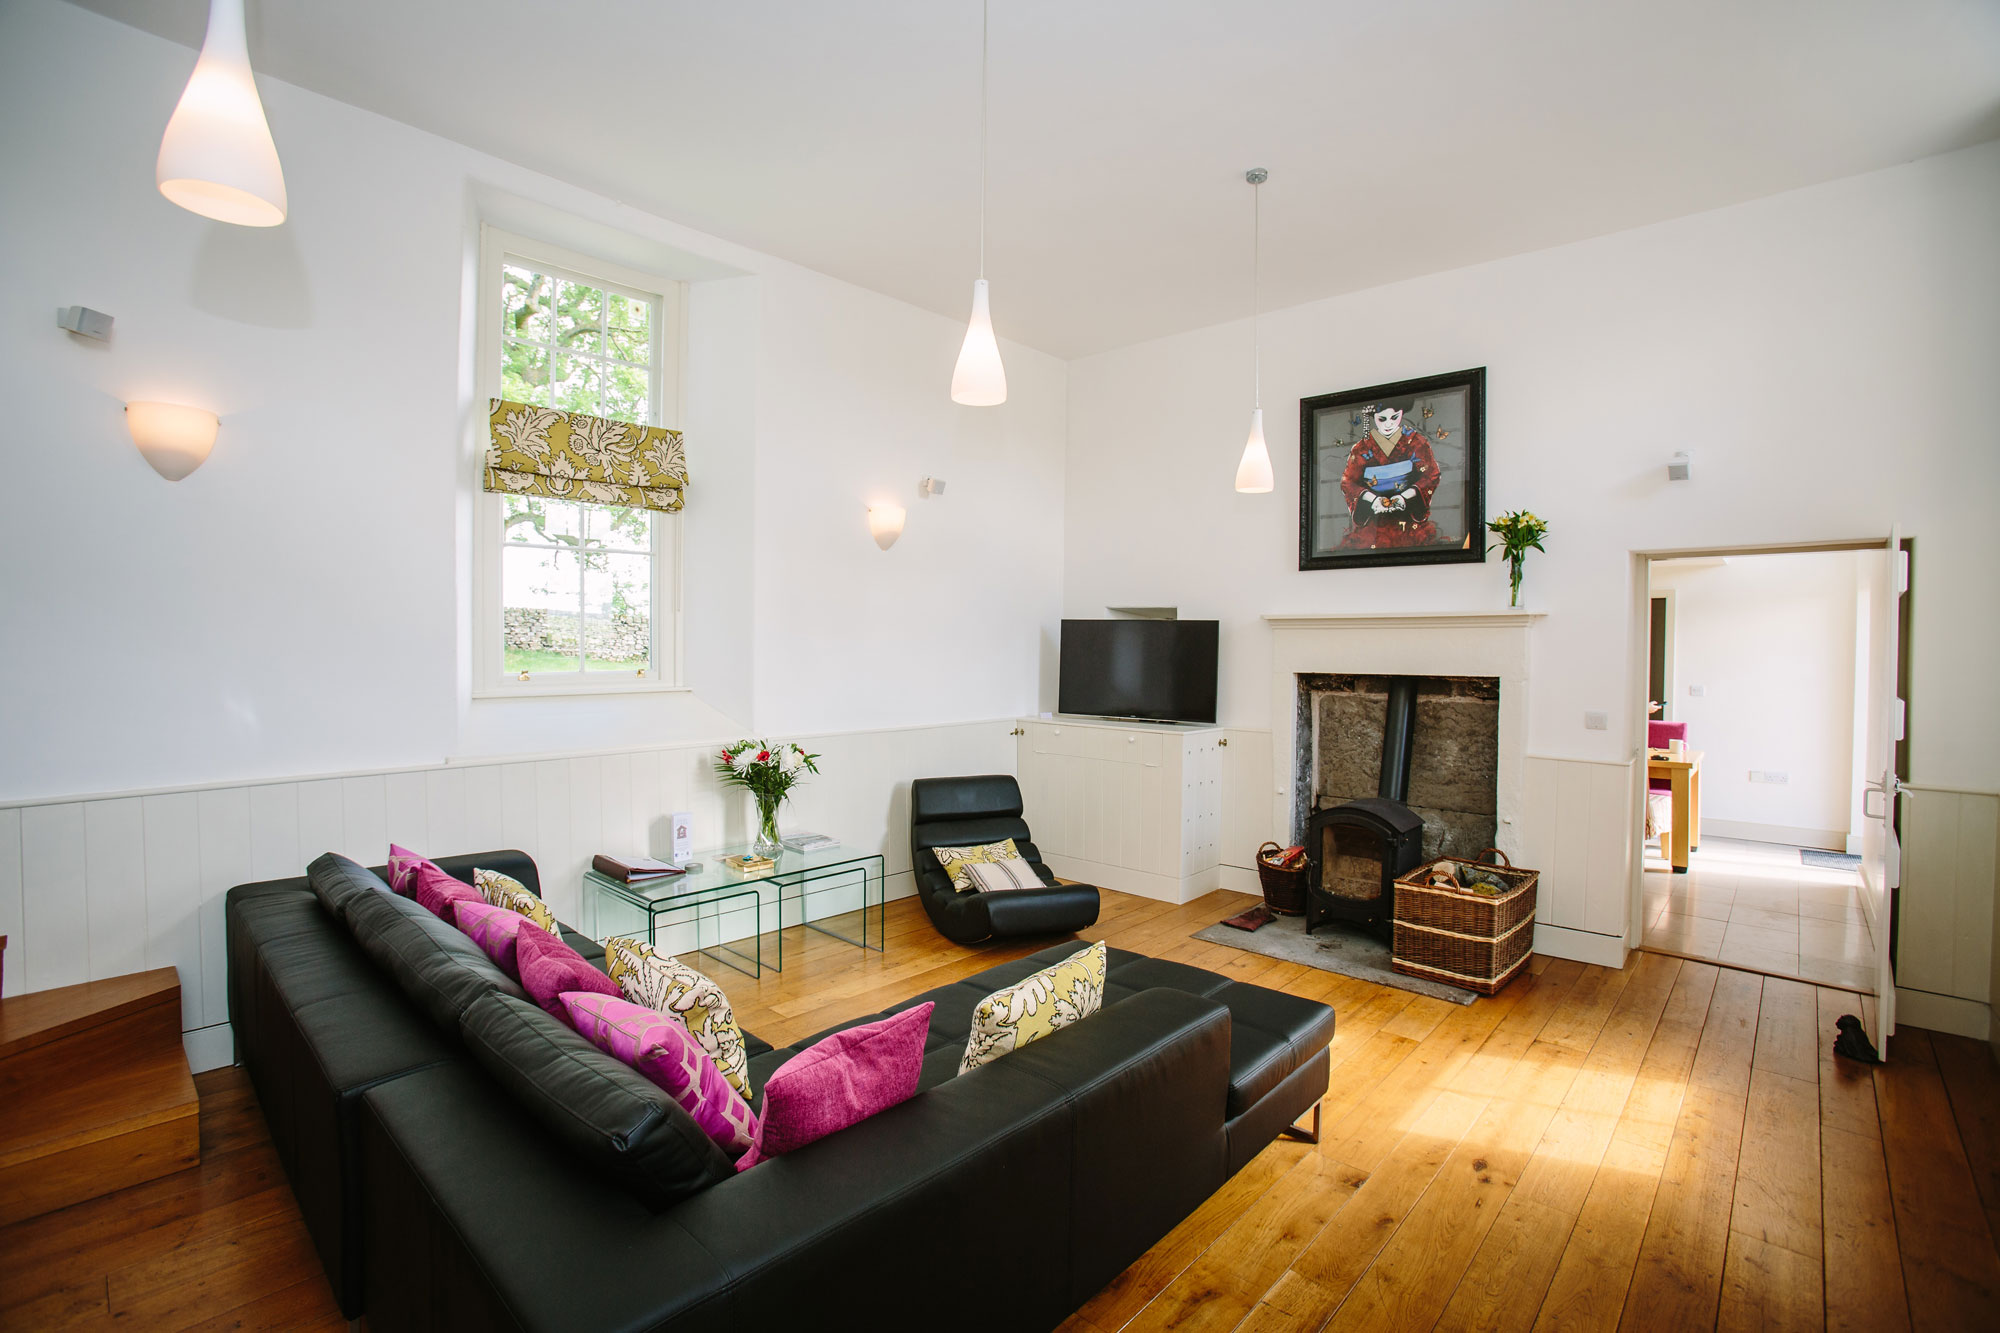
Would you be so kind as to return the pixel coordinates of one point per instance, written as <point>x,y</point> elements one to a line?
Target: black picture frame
<point>1460,517</point>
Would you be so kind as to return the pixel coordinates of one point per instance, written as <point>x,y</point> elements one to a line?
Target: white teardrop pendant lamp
<point>1253,471</point>
<point>979,380</point>
<point>217,158</point>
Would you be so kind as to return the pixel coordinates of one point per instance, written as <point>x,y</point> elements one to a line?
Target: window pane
<point>530,518</point>
<point>538,610</point>
<point>630,329</point>
<point>577,382</point>
<point>579,311</point>
<point>618,601</point>
<point>626,392</point>
<point>524,304</point>
<point>524,374</point>
<point>617,525</point>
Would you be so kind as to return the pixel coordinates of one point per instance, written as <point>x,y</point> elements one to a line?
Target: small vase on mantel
<point>1519,532</point>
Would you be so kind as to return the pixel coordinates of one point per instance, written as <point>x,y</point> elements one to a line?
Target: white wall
<point>1769,639</point>
<point>1826,355</point>
<point>298,606</point>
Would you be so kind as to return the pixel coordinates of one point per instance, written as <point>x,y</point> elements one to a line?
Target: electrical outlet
<point>1774,776</point>
<point>1594,721</point>
<point>1697,691</point>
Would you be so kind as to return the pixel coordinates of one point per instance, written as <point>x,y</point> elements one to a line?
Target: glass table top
<point>715,875</point>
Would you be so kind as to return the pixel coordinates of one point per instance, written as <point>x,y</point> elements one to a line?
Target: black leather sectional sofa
<point>465,1161</point>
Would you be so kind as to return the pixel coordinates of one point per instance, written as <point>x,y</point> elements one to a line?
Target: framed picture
<point>1394,474</point>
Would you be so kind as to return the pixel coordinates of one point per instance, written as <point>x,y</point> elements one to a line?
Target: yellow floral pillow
<point>958,861</point>
<point>1029,1010</point>
<point>664,983</point>
<point>510,893</point>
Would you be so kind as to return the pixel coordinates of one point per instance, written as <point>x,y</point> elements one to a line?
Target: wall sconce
<point>174,439</point>
<point>885,524</point>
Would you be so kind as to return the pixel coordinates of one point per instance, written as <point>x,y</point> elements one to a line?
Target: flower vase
<point>767,843</point>
<point>1514,579</point>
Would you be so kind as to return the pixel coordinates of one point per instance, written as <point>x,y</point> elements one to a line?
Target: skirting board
<point>1162,888</point>
<point>1825,839</point>
<point>1240,879</point>
<point>1943,1013</point>
<point>209,1048</point>
<point>1582,946</point>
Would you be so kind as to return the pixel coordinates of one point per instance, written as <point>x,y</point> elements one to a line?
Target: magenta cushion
<point>402,869</point>
<point>659,1047</point>
<point>549,967</point>
<point>494,929</point>
<point>436,890</point>
<point>1657,735</point>
<point>840,1081</point>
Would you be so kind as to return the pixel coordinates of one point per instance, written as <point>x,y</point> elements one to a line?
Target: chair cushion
<point>957,862</point>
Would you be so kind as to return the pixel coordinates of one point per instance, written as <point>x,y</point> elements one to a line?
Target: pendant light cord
<point>1256,269</point>
<point>983,4</point>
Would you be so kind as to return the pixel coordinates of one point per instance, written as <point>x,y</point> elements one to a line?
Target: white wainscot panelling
<point>1944,909</point>
<point>101,886</point>
<point>1577,829</point>
<point>1247,806</point>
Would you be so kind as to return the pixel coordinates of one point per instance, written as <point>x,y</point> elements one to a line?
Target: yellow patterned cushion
<point>1053,998</point>
<point>510,893</point>
<point>958,861</point>
<point>661,981</point>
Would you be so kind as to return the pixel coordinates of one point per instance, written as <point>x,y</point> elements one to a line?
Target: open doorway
<point>1758,685</point>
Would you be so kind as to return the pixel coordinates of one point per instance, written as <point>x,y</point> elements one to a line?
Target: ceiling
<point>1402,138</point>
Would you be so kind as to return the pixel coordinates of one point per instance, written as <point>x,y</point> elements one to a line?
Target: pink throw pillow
<point>549,967</point>
<point>664,1051</point>
<point>436,890</point>
<point>494,929</point>
<point>840,1081</point>
<point>402,869</point>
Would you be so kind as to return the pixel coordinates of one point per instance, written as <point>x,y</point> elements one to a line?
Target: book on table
<point>808,842</point>
<point>636,870</point>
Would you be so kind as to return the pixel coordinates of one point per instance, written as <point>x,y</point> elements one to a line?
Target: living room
<point>1753,246</point>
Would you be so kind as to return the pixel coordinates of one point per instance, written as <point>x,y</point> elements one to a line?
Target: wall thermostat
<point>82,320</point>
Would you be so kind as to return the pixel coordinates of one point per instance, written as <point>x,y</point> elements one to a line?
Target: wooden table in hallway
<point>1685,775</point>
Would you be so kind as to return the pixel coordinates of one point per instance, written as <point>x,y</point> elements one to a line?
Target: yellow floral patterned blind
<point>570,456</point>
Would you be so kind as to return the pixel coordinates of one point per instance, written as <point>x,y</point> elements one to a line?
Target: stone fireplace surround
<point>1492,645</point>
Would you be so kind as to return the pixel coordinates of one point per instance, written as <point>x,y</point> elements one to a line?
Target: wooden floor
<point>1668,1146</point>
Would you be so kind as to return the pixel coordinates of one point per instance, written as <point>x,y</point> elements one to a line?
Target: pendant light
<point>1253,471</point>
<point>979,380</point>
<point>217,158</point>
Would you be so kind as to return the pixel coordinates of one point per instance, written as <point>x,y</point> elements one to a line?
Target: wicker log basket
<point>1466,923</point>
<point>1284,884</point>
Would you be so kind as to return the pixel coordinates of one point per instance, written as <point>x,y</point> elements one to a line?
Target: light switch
<point>1594,721</point>
<point>1697,691</point>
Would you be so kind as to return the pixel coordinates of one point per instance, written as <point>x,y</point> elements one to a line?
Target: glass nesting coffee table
<point>728,906</point>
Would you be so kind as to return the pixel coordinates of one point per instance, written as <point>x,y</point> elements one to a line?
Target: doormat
<point>1257,916</point>
<point>1330,948</point>
<point>1812,856</point>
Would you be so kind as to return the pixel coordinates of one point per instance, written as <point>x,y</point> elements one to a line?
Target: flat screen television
<point>1159,670</point>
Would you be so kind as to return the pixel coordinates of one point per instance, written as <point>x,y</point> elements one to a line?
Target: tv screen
<point>1162,670</point>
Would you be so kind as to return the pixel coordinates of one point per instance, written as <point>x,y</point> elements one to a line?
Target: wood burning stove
<point>1355,851</point>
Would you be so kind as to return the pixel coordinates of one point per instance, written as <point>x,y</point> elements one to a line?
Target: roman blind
<point>571,456</point>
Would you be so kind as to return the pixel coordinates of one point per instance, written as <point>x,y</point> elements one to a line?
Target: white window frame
<point>490,680</point>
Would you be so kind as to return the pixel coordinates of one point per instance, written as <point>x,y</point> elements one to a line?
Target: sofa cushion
<point>437,891</point>
<point>839,1082</point>
<point>494,929</point>
<point>1065,992</point>
<point>435,964</point>
<point>1271,1033</point>
<point>336,881</point>
<point>609,1116</point>
<point>508,892</point>
<point>667,1054</point>
<point>401,870</point>
<point>550,967</point>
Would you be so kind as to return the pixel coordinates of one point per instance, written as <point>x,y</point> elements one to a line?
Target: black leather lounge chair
<point>961,812</point>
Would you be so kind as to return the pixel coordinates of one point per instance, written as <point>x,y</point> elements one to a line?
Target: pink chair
<point>1659,809</point>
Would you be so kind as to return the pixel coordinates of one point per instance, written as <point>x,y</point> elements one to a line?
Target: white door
<point>1881,855</point>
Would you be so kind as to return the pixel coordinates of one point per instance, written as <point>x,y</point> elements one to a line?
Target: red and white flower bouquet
<point>768,772</point>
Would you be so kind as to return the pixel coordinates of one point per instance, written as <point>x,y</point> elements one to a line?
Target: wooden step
<point>95,1093</point>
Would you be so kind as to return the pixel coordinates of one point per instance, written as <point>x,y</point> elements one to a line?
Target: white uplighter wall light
<point>979,380</point>
<point>885,524</point>
<point>173,438</point>
<point>1253,470</point>
<point>217,158</point>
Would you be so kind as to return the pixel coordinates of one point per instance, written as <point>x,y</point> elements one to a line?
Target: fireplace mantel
<point>1402,643</point>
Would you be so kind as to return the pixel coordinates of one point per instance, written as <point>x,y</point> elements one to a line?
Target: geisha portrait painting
<point>1394,474</point>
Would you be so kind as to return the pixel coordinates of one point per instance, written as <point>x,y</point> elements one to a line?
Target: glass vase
<point>1514,580</point>
<point>767,843</point>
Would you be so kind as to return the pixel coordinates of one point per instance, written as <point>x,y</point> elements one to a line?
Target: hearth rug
<point>1331,948</point>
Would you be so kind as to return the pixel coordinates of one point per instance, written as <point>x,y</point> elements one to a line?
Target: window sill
<point>561,689</point>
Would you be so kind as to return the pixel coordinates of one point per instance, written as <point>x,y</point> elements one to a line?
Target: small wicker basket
<point>1284,886</point>
<point>1449,932</point>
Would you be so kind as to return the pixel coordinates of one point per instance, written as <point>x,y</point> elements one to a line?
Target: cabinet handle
<point>1018,731</point>
<point>1224,740</point>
